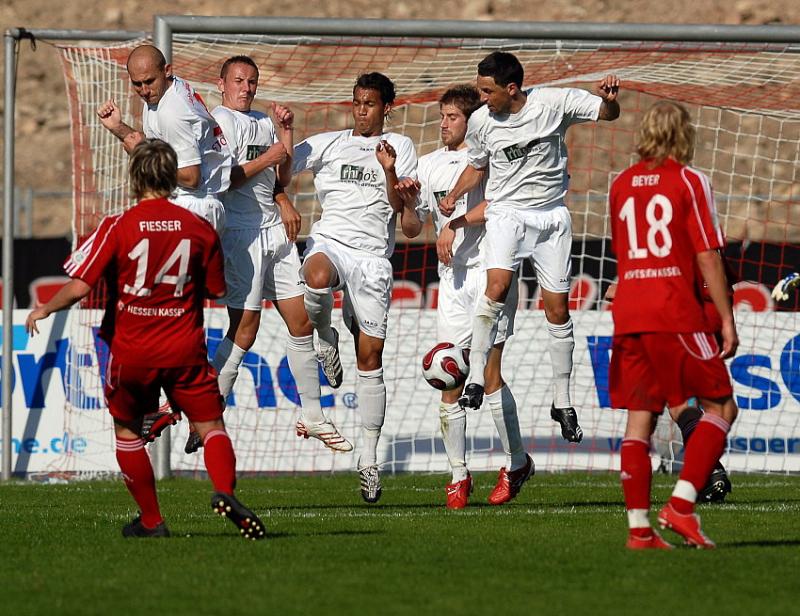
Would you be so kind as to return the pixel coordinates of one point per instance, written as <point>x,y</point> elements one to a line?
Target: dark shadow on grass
<point>762,543</point>
<point>351,506</point>
<point>225,534</point>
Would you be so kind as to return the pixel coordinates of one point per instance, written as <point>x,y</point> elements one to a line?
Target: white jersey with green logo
<point>437,173</point>
<point>526,152</point>
<point>351,187</point>
<point>250,206</point>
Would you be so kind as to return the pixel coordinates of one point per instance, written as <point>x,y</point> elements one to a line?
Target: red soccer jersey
<point>159,260</point>
<point>661,217</point>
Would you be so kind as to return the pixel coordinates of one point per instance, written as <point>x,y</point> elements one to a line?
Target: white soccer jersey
<point>250,206</point>
<point>526,152</point>
<point>181,119</point>
<point>351,186</point>
<point>438,172</point>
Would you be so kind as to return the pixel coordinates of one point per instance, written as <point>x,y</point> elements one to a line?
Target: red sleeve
<point>702,222</point>
<point>215,271</point>
<point>90,259</point>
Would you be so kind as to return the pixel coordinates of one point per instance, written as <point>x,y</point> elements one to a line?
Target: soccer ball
<point>445,366</point>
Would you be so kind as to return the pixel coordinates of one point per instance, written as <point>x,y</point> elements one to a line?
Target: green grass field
<point>556,549</point>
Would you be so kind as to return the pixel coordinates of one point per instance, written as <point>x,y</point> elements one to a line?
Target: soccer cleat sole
<point>571,431</point>
<point>193,443</point>
<point>472,398</point>
<point>370,493</point>
<point>331,439</point>
<point>719,486</point>
<point>248,523</point>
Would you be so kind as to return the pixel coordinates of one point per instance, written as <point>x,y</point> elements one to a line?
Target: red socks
<point>701,455</point>
<point>636,473</point>
<point>220,461</point>
<point>138,475</point>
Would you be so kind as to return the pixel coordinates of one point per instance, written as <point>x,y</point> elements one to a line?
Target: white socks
<point>303,364</point>
<point>319,304</point>
<point>371,392</point>
<point>226,362</point>
<point>504,412</point>
<point>453,420</point>
<point>562,343</point>
<point>484,327</point>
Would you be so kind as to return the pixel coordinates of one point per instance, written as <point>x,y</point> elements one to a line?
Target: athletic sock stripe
<point>214,433</point>
<point>631,441</point>
<point>717,421</point>
<point>130,445</point>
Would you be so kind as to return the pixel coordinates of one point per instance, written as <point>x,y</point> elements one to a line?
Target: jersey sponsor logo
<point>254,151</point>
<point>517,151</point>
<point>439,195</point>
<point>356,174</point>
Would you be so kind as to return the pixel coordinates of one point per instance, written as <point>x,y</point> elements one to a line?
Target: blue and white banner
<point>60,424</point>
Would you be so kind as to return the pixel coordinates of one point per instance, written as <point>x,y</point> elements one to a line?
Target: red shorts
<point>650,371</point>
<point>133,391</point>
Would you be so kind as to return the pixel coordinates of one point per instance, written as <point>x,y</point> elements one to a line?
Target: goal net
<point>745,101</point>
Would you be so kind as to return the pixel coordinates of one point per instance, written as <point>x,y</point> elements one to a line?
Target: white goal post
<point>746,143</point>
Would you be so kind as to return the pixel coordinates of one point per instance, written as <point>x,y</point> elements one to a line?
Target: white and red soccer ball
<point>445,366</point>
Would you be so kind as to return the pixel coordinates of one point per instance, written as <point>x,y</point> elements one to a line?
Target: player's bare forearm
<point>394,196</point>
<point>473,218</point>
<point>713,271</point>
<point>284,171</point>
<point>275,156</point>
<point>409,221</point>
<point>68,295</point>
<point>468,180</point>
<point>189,177</point>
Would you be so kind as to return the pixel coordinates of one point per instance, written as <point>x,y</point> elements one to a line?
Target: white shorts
<point>260,264</point>
<point>541,234</point>
<point>366,280</point>
<point>208,207</point>
<point>459,291</point>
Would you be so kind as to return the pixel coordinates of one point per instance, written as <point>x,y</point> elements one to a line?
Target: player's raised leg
<point>560,347</point>
<point>320,277</point>
<point>687,416</point>
<point>487,313</point>
<point>305,369</point>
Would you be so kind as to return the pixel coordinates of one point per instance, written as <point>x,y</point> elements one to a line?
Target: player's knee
<point>557,314</point>
<point>496,290</point>
<point>367,362</point>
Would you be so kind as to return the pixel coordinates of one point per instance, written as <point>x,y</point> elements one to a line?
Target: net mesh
<point>745,101</point>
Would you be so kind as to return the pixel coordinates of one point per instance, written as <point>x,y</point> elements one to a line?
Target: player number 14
<point>140,254</point>
<point>658,214</point>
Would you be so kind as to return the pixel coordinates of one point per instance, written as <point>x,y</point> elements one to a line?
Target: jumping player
<point>164,260</point>
<point>356,172</point>
<point>518,138</point>
<point>462,280</point>
<point>261,260</point>
<point>665,231</point>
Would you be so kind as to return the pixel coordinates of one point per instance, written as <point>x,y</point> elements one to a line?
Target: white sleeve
<point>580,105</point>
<point>178,131</point>
<point>406,163</point>
<point>308,154</point>
<point>227,123</point>
<point>477,155</point>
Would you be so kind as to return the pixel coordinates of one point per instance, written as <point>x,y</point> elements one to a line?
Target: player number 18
<point>658,214</point>
<point>140,254</point>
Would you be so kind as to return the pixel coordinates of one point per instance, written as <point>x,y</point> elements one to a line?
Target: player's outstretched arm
<point>111,118</point>
<point>284,120</point>
<point>275,155</point>
<point>785,286</point>
<point>710,264</point>
<point>410,223</point>
<point>71,293</point>
<point>608,90</point>
<point>468,180</point>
